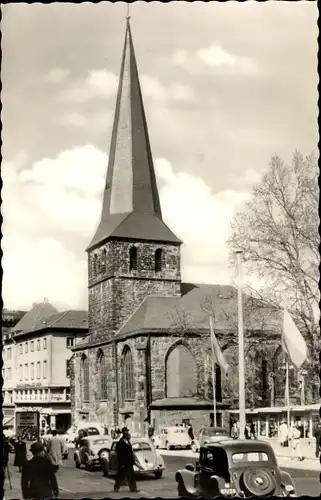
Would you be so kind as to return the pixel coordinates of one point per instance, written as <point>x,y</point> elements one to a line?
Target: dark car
<point>235,468</point>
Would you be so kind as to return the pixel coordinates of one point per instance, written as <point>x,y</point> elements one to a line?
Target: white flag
<point>293,342</point>
<point>216,350</point>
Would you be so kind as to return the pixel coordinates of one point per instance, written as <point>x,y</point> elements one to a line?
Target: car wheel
<point>258,482</point>
<point>77,464</point>
<point>181,491</point>
<point>168,446</point>
<point>194,448</point>
<point>158,474</point>
<point>103,454</point>
<point>87,464</point>
<point>104,466</point>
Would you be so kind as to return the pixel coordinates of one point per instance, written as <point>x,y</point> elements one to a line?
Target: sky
<point>225,87</point>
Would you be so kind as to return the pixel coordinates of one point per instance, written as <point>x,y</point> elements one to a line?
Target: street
<point>75,483</point>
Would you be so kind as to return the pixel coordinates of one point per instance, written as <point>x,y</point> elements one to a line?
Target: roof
<point>190,312</point>
<point>131,206</point>
<point>73,320</point>
<point>243,446</point>
<point>34,317</point>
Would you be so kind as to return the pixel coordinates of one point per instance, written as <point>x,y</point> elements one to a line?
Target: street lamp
<point>242,421</point>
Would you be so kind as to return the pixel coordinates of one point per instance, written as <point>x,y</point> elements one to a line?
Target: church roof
<point>38,313</point>
<point>190,312</point>
<point>131,206</point>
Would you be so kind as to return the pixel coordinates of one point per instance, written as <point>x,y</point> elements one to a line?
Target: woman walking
<point>20,449</point>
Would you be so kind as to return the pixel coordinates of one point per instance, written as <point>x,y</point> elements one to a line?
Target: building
<point>39,355</point>
<point>9,320</point>
<point>147,355</point>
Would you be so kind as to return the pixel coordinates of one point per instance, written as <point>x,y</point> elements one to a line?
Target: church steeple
<point>131,206</point>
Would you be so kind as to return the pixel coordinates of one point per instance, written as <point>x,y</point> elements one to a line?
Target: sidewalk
<point>307,448</point>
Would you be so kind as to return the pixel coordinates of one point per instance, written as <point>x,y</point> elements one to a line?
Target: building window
<point>95,264</point>
<point>102,366</point>
<point>85,378</point>
<point>32,371</point>
<point>104,261</point>
<point>45,343</point>
<point>158,260</point>
<point>20,373</point>
<point>20,349</point>
<point>45,369</point>
<point>38,369</point>
<point>26,371</point>
<point>181,372</point>
<point>133,259</point>
<point>128,375</point>
<point>26,348</point>
<point>68,371</point>
<point>70,341</point>
<point>38,345</point>
<point>32,346</point>
<point>9,353</point>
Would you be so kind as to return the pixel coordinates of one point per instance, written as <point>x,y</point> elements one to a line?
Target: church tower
<point>133,253</point>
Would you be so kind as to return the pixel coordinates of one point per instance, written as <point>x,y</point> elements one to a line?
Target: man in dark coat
<point>126,460</point>
<point>20,449</point>
<point>38,479</point>
<point>5,452</point>
<point>317,435</point>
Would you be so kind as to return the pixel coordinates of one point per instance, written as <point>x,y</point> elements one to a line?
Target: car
<point>92,450</point>
<point>87,430</point>
<point>209,435</point>
<point>235,468</point>
<point>147,459</point>
<point>173,437</point>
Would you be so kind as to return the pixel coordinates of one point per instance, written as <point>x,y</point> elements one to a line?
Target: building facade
<point>37,373</point>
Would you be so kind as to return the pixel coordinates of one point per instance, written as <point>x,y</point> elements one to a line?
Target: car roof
<point>242,446</point>
<point>216,429</point>
<point>97,437</point>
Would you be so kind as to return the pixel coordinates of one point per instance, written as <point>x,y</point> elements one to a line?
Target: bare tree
<point>278,234</point>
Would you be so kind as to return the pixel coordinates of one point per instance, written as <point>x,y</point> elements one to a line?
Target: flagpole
<point>242,418</point>
<point>287,393</point>
<point>214,384</point>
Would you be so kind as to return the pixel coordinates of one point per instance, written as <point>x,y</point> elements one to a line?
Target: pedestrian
<point>317,435</point>
<point>126,461</point>
<point>191,433</point>
<point>55,449</point>
<point>295,436</point>
<point>5,452</point>
<point>38,479</point>
<point>283,434</point>
<point>20,450</point>
<point>252,430</point>
<point>150,431</point>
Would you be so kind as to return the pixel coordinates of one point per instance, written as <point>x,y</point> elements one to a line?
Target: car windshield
<point>250,456</point>
<point>214,432</point>
<point>100,441</point>
<point>91,431</point>
<point>179,431</point>
<point>141,447</point>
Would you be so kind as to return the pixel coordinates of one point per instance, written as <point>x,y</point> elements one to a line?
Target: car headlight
<point>289,488</point>
<point>135,468</point>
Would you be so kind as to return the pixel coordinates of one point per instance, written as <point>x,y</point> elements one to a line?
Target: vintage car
<point>147,459</point>
<point>86,430</point>
<point>209,435</point>
<point>172,437</point>
<point>92,450</point>
<point>235,468</point>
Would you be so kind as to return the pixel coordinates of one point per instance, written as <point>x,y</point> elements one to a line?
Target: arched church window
<point>85,378</point>
<point>128,389</point>
<point>103,375</point>
<point>103,260</point>
<point>158,260</point>
<point>133,259</point>
<point>95,264</point>
<point>181,373</point>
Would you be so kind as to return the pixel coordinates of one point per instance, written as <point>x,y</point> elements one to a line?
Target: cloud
<point>152,88</point>
<point>98,84</point>
<point>73,119</point>
<point>215,58</point>
<point>52,207</point>
<point>56,76</point>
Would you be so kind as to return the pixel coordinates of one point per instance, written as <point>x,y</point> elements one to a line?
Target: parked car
<point>209,435</point>
<point>92,450</point>
<point>173,437</point>
<point>235,468</point>
<point>147,459</point>
<point>87,430</point>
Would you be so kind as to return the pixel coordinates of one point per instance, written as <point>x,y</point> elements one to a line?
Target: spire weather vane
<point>128,16</point>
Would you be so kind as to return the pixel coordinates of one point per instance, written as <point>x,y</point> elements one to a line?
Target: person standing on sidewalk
<point>317,435</point>
<point>126,461</point>
<point>20,449</point>
<point>38,479</point>
<point>295,436</point>
<point>283,433</point>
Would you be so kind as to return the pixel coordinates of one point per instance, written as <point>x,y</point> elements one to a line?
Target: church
<point>147,355</point>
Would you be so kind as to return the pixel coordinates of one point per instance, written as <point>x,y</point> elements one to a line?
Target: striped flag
<point>293,343</point>
<point>216,350</point>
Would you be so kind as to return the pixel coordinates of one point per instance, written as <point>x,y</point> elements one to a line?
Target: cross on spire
<point>128,16</point>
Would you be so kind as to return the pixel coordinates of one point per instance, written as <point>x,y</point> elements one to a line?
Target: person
<point>295,436</point>
<point>20,449</point>
<point>126,461</point>
<point>55,449</point>
<point>317,435</point>
<point>252,430</point>
<point>150,431</point>
<point>38,479</point>
<point>191,433</point>
<point>283,433</point>
<point>5,452</point>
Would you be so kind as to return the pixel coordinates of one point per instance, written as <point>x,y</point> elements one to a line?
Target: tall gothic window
<point>128,375</point>
<point>102,366</point>
<point>95,264</point>
<point>158,260</point>
<point>133,259</point>
<point>181,373</point>
<point>103,261</point>
<point>85,378</point>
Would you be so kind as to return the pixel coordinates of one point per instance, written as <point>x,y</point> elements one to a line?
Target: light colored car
<point>147,459</point>
<point>88,429</point>
<point>92,450</point>
<point>173,437</point>
<point>209,435</point>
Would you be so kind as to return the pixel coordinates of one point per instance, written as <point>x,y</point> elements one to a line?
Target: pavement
<point>79,483</point>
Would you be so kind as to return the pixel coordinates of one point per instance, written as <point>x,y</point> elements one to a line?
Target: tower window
<point>133,259</point>
<point>85,378</point>
<point>158,260</point>
<point>95,264</point>
<point>128,390</point>
<point>103,261</point>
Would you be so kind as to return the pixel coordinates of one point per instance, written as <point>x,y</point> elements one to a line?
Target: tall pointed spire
<point>131,206</point>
